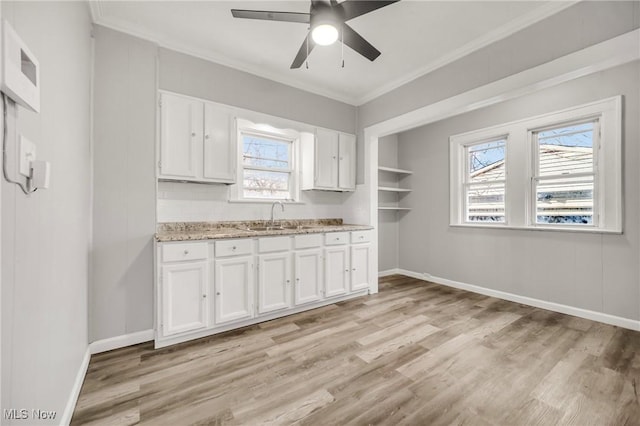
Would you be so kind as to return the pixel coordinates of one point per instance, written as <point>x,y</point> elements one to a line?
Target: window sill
<point>539,228</point>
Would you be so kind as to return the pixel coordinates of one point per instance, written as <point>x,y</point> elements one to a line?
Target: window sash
<point>467,187</point>
<point>537,178</point>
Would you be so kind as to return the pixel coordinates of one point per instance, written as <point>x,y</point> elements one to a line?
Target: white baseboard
<point>551,306</point>
<point>388,272</point>
<point>118,342</point>
<point>75,390</point>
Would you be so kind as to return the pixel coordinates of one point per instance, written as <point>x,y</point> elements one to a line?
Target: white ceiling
<point>414,37</point>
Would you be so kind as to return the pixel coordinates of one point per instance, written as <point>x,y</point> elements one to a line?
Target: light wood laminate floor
<point>416,353</point>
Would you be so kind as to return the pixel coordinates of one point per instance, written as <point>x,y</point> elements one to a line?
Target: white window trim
<point>236,193</point>
<point>520,168</point>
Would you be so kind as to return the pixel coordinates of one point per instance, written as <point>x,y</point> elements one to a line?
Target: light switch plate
<point>27,155</point>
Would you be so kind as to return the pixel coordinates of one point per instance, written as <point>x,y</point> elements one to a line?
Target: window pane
<point>566,200</point>
<point>486,161</point>
<point>485,202</point>
<point>566,150</point>
<point>264,152</point>
<point>264,184</point>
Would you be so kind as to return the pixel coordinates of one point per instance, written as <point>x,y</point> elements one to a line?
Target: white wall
<point>595,272</point>
<point>45,236</point>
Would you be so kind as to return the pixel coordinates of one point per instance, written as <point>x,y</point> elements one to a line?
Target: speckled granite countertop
<point>189,231</point>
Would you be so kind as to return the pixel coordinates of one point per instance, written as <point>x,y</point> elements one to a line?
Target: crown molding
<point>499,33</point>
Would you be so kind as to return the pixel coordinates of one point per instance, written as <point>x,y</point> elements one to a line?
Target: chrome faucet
<point>273,223</point>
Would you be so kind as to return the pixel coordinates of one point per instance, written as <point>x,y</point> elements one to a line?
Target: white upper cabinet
<point>219,145</point>
<point>347,162</point>
<point>196,140</point>
<point>180,136</point>
<point>328,161</point>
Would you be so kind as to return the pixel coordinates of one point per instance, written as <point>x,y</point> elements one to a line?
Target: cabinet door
<point>347,162</point>
<point>360,255</point>
<point>184,292</point>
<point>234,289</point>
<point>274,282</point>
<point>219,145</point>
<point>308,272</point>
<point>326,161</point>
<point>180,136</point>
<point>336,271</point>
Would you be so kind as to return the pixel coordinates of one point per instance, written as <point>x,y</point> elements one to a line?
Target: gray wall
<point>575,28</point>
<point>189,75</point>
<point>45,236</point>
<point>121,294</point>
<point>591,271</point>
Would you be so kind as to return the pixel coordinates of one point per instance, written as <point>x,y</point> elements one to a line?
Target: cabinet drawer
<point>336,238</point>
<point>307,241</point>
<point>184,251</point>
<point>234,247</point>
<point>267,245</point>
<point>360,237</point>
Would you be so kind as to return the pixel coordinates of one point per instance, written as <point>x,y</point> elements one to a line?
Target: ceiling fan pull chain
<point>342,31</point>
<point>306,60</point>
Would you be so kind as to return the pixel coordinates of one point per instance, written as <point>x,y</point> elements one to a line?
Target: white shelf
<point>393,170</point>
<point>393,208</point>
<point>392,189</point>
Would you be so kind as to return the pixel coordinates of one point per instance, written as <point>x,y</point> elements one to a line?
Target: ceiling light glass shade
<point>324,34</point>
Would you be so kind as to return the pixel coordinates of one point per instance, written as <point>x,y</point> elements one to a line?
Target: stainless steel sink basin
<point>298,228</point>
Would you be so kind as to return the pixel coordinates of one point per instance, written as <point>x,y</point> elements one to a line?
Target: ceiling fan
<point>326,19</point>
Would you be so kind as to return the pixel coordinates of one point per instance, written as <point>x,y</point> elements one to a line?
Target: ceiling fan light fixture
<point>324,34</point>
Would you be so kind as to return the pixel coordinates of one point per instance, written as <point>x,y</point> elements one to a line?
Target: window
<point>484,186</point>
<point>561,170</point>
<point>267,163</point>
<point>565,174</point>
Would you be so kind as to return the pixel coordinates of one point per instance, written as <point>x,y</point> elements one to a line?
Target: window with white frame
<point>563,170</point>
<point>564,177</point>
<point>267,166</point>
<point>484,181</point>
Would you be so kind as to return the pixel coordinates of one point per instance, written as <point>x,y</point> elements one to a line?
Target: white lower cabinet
<point>336,271</point>
<point>360,258</point>
<point>274,282</point>
<point>233,285</point>
<point>309,274</point>
<point>184,297</point>
<point>204,286</point>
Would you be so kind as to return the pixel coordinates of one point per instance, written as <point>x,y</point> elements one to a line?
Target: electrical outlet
<point>27,155</point>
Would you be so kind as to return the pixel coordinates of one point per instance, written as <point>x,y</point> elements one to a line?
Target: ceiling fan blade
<point>266,15</point>
<point>354,8</point>
<point>303,52</point>
<point>359,44</point>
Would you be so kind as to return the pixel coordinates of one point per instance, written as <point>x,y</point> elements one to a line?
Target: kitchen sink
<point>277,228</point>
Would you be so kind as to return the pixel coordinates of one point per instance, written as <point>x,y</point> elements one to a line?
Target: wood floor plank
<point>415,353</point>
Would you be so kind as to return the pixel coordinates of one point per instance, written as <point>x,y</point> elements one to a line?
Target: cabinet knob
<point>193,134</point>
<point>218,293</point>
<point>233,248</point>
<point>206,136</point>
<point>353,269</point>
<point>288,281</point>
<point>346,270</point>
<point>204,296</point>
<point>186,252</point>
<point>297,279</point>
